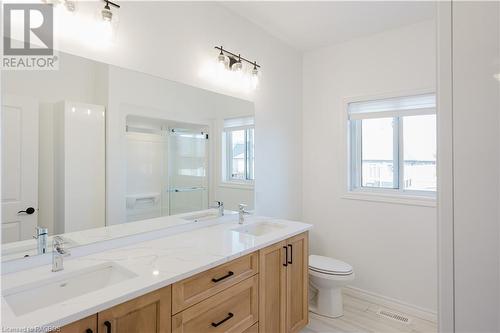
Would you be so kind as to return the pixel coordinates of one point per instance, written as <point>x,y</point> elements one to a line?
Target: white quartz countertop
<point>157,263</point>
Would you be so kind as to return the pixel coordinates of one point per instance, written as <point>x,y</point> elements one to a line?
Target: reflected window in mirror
<point>238,150</point>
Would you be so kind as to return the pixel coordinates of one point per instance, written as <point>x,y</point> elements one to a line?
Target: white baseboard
<point>391,303</point>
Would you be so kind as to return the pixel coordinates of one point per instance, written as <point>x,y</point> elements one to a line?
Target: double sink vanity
<point>212,275</point>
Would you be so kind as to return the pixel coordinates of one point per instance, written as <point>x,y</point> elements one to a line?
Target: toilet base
<point>328,303</point>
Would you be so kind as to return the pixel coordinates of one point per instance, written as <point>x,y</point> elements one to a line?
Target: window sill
<point>238,186</point>
<point>411,200</point>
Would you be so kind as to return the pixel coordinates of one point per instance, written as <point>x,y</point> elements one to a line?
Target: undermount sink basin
<point>60,288</point>
<point>259,228</point>
<point>202,216</point>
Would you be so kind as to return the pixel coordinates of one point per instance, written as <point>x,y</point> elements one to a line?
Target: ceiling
<point>307,25</point>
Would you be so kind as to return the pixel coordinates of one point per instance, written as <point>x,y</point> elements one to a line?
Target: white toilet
<point>327,276</point>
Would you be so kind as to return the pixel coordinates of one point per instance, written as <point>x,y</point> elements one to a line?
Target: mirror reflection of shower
<point>167,168</point>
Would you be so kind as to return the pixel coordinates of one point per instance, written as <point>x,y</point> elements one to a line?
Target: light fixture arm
<point>237,56</point>
<point>110,3</point>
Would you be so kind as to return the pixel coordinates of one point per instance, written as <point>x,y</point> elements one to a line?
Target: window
<point>238,150</point>
<point>393,145</point>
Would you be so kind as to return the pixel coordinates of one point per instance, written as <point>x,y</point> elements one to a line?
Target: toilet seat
<point>329,266</point>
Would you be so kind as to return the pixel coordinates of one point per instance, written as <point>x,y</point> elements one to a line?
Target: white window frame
<point>354,174</point>
<point>227,178</point>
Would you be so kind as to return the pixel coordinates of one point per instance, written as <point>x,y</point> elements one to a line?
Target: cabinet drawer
<point>201,286</point>
<point>232,310</point>
<point>148,313</point>
<point>85,325</point>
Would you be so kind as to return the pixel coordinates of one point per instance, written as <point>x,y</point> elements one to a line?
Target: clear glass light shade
<point>237,66</point>
<point>70,6</point>
<point>107,15</point>
<point>222,60</point>
<point>255,78</point>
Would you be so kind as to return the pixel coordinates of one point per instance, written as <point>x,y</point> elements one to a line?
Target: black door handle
<point>88,330</point>
<point>286,256</point>
<point>29,211</point>
<point>229,316</point>
<point>230,273</point>
<point>108,326</point>
<point>291,254</point>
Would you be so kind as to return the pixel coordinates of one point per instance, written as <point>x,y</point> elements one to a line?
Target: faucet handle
<point>40,231</point>
<point>241,208</point>
<point>58,246</point>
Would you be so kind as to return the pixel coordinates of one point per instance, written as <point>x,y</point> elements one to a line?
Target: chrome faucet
<point>242,212</point>
<point>220,206</point>
<point>41,239</point>
<point>58,252</point>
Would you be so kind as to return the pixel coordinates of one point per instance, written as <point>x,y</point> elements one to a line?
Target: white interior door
<point>19,160</point>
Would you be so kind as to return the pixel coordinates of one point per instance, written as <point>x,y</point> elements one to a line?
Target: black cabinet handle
<point>286,256</point>
<point>291,254</point>
<point>230,273</point>
<point>229,316</point>
<point>28,211</point>
<point>108,326</point>
<point>88,330</point>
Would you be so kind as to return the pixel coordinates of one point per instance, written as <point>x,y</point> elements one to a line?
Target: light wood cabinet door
<point>146,314</point>
<point>85,325</point>
<point>253,329</point>
<point>297,312</point>
<point>232,310</point>
<point>272,288</point>
<point>195,289</point>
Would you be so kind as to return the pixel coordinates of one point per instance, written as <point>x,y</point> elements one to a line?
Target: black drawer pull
<point>88,330</point>
<point>230,273</point>
<point>108,326</point>
<point>229,316</point>
<point>291,254</point>
<point>286,256</point>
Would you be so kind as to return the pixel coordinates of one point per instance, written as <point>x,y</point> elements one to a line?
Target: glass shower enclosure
<point>187,171</point>
<point>167,169</point>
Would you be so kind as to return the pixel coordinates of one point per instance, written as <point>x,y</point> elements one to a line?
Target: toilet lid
<point>328,265</point>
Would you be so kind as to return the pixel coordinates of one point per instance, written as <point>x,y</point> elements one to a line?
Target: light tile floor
<point>361,317</point>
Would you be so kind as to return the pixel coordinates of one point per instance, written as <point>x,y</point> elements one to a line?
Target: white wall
<point>476,163</point>
<point>175,44</point>
<point>392,247</point>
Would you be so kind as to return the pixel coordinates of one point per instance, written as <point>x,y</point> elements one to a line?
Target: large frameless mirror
<point>94,151</point>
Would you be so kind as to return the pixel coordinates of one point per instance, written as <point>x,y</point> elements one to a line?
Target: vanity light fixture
<point>69,5</point>
<point>107,14</point>
<point>234,62</point>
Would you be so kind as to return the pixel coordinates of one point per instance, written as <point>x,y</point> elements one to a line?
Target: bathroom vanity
<point>225,277</point>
